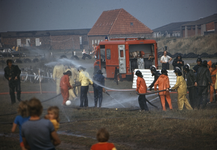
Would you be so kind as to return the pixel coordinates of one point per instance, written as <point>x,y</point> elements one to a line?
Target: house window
<point>108,53</point>
<point>27,42</point>
<point>98,41</point>
<point>37,42</point>
<point>95,41</point>
<point>80,39</point>
<point>131,24</point>
<point>189,27</point>
<point>18,42</point>
<point>92,42</point>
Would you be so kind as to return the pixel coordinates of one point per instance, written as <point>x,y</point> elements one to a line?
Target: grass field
<point>129,129</point>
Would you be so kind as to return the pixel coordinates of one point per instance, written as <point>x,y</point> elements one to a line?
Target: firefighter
<point>156,74</point>
<point>216,77</point>
<point>178,62</point>
<point>65,86</point>
<point>85,81</point>
<point>163,84</point>
<point>199,63</point>
<point>12,74</point>
<point>195,69</point>
<point>99,79</point>
<point>203,80</point>
<point>57,74</point>
<point>141,88</point>
<point>213,72</point>
<point>73,93</point>
<point>191,82</point>
<point>181,90</point>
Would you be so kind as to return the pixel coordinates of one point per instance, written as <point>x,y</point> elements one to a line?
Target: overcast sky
<point>28,15</point>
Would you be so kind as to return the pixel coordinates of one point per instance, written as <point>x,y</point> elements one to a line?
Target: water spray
<point>115,99</point>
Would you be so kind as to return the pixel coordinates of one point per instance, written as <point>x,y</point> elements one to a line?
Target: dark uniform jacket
<point>196,67</point>
<point>203,77</point>
<point>100,79</point>
<point>12,73</point>
<point>191,79</point>
<point>176,64</point>
<point>156,75</point>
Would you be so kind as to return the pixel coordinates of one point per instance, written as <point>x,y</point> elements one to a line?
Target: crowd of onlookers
<point>41,133</point>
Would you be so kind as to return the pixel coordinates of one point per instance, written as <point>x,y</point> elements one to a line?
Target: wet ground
<point>128,128</point>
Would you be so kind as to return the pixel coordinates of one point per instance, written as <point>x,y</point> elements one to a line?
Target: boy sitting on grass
<point>38,133</point>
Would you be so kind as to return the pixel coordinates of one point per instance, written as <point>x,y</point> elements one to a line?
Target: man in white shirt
<point>165,59</point>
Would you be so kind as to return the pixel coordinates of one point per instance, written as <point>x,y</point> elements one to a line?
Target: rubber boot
<point>100,102</point>
<point>95,103</point>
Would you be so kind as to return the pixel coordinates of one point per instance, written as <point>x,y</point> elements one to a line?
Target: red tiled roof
<point>118,21</point>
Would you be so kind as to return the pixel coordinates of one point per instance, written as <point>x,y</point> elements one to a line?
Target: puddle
<point>14,135</point>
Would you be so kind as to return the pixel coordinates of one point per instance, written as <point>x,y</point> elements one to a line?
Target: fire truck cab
<point>121,56</point>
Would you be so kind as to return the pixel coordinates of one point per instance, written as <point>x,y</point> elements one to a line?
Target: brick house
<point>169,30</point>
<point>203,26</point>
<point>117,23</point>
<point>49,40</point>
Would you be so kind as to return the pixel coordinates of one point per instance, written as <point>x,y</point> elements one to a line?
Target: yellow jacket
<point>58,72</point>
<point>55,124</point>
<point>180,85</point>
<point>84,78</point>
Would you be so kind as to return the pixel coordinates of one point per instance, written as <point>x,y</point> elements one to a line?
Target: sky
<point>34,15</point>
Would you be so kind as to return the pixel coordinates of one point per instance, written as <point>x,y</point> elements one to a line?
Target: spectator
<point>178,62</point>
<point>12,74</point>
<point>38,133</point>
<point>102,137</point>
<point>20,119</point>
<point>165,59</point>
<point>148,61</point>
<point>53,116</point>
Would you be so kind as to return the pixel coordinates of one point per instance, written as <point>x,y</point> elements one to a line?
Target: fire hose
<point>152,93</point>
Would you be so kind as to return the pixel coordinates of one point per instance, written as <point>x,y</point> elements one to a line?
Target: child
<point>53,116</point>
<point>38,133</point>
<point>181,90</point>
<point>102,137</point>
<point>20,119</point>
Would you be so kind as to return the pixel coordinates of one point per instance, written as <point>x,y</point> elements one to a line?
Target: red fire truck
<point>121,56</point>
